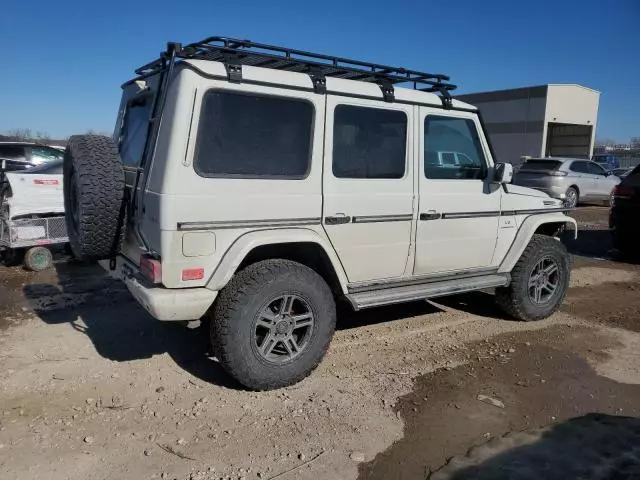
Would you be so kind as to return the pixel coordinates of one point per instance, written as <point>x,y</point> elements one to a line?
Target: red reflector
<point>193,274</point>
<point>42,181</point>
<point>151,268</point>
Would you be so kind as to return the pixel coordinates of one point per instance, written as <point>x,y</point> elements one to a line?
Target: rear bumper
<point>165,304</point>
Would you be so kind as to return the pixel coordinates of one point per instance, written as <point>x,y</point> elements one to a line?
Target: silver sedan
<point>569,179</point>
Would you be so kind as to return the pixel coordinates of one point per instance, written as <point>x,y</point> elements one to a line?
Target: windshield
<point>43,155</point>
<point>541,165</point>
<point>134,130</point>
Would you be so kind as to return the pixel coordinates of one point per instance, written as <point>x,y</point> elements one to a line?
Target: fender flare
<point>244,244</point>
<point>525,233</point>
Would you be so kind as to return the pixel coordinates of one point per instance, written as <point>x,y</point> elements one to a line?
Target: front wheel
<point>539,281</point>
<point>272,324</point>
<point>38,259</point>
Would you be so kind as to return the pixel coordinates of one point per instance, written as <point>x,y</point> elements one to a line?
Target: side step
<point>386,296</point>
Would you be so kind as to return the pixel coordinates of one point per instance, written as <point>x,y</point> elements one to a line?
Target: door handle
<point>430,215</point>
<point>337,220</point>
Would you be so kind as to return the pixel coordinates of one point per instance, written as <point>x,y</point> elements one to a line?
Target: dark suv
<point>625,212</point>
<point>23,155</point>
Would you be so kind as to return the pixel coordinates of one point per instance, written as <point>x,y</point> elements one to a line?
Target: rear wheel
<point>571,197</point>
<point>539,281</point>
<point>38,259</point>
<point>272,324</point>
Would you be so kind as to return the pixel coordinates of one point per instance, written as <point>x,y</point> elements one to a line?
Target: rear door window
<point>254,136</point>
<point>580,167</point>
<point>369,142</point>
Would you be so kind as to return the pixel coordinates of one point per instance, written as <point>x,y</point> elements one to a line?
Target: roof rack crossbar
<point>318,66</point>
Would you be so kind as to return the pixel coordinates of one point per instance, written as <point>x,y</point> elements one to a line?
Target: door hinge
<point>234,68</point>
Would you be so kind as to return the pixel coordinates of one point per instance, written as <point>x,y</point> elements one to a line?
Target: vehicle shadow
<point>91,302</point>
<point>594,446</point>
<point>479,303</point>
<point>596,244</point>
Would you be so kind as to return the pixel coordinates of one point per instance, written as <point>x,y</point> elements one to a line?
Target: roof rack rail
<point>235,53</point>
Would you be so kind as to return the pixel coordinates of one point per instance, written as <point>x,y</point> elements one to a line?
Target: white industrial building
<point>546,120</point>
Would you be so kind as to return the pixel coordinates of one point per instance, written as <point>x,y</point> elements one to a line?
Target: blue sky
<point>64,60</point>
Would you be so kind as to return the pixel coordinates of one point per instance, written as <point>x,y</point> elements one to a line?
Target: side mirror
<point>503,173</point>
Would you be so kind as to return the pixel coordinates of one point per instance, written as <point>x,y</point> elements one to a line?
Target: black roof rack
<point>235,53</point>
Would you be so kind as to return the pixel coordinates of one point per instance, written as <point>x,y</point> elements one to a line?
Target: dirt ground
<point>92,388</point>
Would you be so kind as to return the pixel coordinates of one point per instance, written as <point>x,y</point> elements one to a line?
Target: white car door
<point>459,209</point>
<point>368,186</point>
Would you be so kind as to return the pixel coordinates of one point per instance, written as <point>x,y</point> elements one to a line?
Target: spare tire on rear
<point>93,196</point>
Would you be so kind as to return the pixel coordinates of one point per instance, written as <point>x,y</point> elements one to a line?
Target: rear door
<point>368,186</point>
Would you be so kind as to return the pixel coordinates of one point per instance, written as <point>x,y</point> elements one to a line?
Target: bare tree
<point>42,137</point>
<point>20,134</point>
<point>635,142</point>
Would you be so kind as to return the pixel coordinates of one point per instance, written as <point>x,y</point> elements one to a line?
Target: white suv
<point>254,185</point>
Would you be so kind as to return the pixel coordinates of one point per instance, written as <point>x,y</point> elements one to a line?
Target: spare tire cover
<point>93,196</point>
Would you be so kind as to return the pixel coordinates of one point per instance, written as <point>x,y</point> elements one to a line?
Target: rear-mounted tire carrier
<point>93,197</point>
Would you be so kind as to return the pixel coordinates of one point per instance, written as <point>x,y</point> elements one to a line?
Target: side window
<point>253,136</point>
<point>369,142</point>
<point>452,149</point>
<point>133,136</point>
<point>579,167</point>
<point>12,152</point>
<point>596,169</point>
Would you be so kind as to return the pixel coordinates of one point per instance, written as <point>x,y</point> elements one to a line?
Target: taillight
<point>151,268</point>
<point>623,192</point>
<point>558,174</point>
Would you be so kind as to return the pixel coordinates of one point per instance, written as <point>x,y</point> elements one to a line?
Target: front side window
<point>135,129</point>
<point>369,142</point>
<point>596,169</point>
<point>254,136</point>
<point>452,149</point>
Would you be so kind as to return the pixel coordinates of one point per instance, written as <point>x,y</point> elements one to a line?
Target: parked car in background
<point>622,172</point>
<point>624,215</point>
<point>606,160</point>
<point>23,155</point>
<point>569,179</point>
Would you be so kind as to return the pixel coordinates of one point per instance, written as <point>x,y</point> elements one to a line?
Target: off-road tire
<point>38,259</point>
<point>239,303</point>
<point>514,299</point>
<point>93,196</point>
<point>570,203</point>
